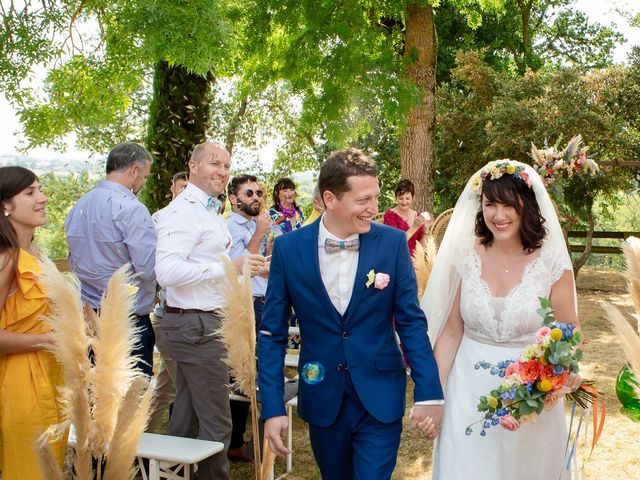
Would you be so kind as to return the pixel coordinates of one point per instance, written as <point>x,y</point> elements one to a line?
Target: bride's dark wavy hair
<point>514,192</point>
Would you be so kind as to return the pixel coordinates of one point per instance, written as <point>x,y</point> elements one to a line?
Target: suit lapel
<point>309,252</point>
<point>366,257</point>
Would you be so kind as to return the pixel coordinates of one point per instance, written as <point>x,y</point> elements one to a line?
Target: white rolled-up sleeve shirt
<point>193,242</point>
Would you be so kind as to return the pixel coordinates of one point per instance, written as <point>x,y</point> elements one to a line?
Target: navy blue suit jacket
<point>362,339</point>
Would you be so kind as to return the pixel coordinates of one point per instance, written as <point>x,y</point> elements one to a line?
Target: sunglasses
<point>249,193</point>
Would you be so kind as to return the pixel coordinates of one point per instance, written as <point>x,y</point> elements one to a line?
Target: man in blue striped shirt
<point>109,227</point>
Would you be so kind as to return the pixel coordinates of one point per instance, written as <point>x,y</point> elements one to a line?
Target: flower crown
<point>495,170</point>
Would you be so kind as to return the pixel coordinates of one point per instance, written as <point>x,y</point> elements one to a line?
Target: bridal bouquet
<point>536,379</point>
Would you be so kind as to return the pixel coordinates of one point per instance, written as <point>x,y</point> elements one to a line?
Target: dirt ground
<point>617,455</point>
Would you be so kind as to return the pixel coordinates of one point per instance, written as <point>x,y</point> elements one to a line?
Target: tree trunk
<point>582,259</point>
<point>178,121</point>
<point>525,15</point>
<point>417,143</point>
<point>232,132</point>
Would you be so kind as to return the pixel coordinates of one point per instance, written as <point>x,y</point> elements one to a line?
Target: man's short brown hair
<point>341,165</point>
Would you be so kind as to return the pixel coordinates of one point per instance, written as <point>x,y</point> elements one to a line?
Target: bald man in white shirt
<point>193,241</point>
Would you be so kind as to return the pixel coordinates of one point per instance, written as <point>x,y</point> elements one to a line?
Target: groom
<point>347,279</point>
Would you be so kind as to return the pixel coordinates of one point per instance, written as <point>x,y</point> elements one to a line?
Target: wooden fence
<point>621,236</point>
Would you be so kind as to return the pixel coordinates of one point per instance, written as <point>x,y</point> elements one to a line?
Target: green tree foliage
<point>527,34</point>
<point>341,57</point>
<point>63,192</point>
<point>484,115</point>
<point>178,120</point>
<point>103,54</point>
<point>318,75</point>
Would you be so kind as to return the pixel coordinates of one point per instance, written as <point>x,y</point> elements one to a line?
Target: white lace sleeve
<point>462,253</point>
<point>557,263</point>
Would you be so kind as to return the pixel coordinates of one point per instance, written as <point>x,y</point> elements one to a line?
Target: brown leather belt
<point>170,309</point>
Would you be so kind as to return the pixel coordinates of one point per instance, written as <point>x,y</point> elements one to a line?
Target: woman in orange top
<point>29,375</point>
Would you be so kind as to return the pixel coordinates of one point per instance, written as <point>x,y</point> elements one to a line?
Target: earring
<point>6,214</point>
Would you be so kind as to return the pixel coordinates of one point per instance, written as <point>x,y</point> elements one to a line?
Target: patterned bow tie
<point>333,246</point>
<point>214,204</point>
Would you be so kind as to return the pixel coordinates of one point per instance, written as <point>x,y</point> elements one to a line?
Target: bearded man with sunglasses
<point>248,228</point>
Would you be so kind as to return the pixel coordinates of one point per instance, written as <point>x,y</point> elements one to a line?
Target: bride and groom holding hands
<point>352,286</point>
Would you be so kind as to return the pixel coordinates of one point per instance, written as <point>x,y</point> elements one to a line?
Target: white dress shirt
<point>192,243</point>
<point>338,270</point>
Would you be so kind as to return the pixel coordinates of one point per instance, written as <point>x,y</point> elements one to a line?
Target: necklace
<point>509,267</point>
<point>288,212</point>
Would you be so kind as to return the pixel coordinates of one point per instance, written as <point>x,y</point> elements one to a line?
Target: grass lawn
<point>617,455</point>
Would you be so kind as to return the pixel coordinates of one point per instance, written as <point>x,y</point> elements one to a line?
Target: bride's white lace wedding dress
<point>496,329</point>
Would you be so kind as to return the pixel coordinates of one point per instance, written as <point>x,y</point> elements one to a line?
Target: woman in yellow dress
<point>29,375</point>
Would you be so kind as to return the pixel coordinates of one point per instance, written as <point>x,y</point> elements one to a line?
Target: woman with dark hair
<point>286,217</point>
<point>29,375</point>
<point>502,250</point>
<point>404,217</point>
<point>285,214</point>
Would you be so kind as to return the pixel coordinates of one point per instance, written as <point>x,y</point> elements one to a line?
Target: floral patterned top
<point>283,224</point>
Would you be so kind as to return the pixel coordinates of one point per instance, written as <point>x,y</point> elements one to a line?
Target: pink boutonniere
<point>378,280</point>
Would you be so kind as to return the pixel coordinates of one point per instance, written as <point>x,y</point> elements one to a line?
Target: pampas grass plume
<point>627,336</point>
<point>108,403</point>
<point>69,346</point>
<point>573,146</point>
<point>423,262</point>
<point>46,460</point>
<point>238,330</point>
<point>631,249</point>
<point>131,422</point>
<point>419,261</point>
<point>114,365</point>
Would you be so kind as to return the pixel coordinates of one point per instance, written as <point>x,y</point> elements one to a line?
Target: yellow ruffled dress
<point>28,381</point>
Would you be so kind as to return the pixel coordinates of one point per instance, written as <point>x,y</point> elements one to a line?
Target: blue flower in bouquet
<point>509,394</point>
<point>567,330</point>
<point>482,364</point>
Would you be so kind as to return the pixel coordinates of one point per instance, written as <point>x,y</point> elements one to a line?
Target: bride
<point>502,250</point>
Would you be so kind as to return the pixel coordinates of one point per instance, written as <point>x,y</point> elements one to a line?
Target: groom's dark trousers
<point>355,411</point>
<point>355,446</point>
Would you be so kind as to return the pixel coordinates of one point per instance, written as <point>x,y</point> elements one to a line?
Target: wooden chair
<point>439,226</point>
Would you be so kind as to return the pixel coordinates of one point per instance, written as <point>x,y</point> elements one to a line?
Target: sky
<point>605,12</point>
